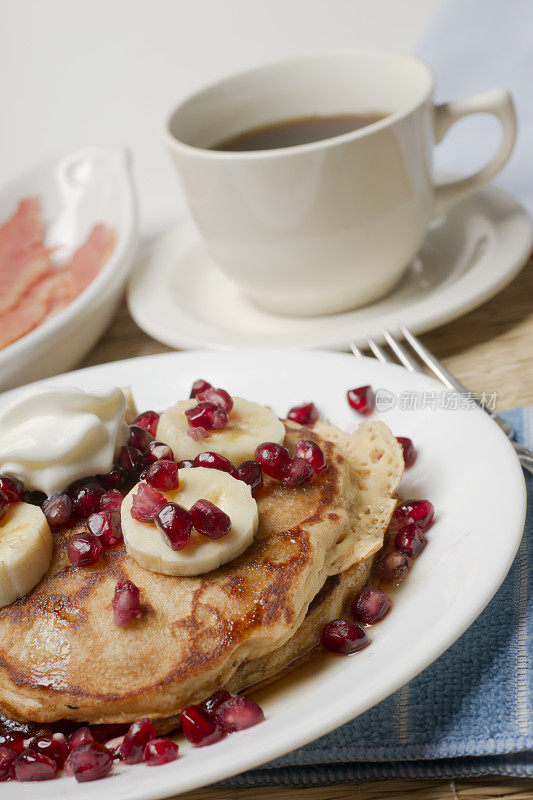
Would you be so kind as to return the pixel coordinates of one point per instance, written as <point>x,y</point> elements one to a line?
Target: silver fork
<point>405,356</point>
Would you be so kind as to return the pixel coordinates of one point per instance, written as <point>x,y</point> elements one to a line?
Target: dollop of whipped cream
<point>52,437</point>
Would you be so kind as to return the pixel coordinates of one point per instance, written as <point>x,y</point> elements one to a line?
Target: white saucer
<point>180,297</point>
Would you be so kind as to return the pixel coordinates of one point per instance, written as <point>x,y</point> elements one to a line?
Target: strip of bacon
<point>31,288</point>
<point>87,262</point>
<point>23,229</point>
<point>48,295</point>
<point>23,256</point>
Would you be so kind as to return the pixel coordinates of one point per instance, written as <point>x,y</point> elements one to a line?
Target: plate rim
<point>167,785</point>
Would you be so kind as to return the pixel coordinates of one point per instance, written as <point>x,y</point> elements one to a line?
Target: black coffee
<point>301,130</point>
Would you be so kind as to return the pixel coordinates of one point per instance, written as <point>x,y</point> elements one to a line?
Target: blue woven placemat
<point>469,714</point>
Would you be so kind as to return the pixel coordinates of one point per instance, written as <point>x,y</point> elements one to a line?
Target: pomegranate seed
<point>30,766</point>
<point>148,421</point>
<point>306,414</point>
<point>163,475</point>
<point>111,501</point>
<point>369,605</point>
<point>238,713</point>
<point>160,751</point>
<point>157,451</point>
<point>58,509</point>
<point>209,520</point>
<point>409,451</point>
<point>114,747</point>
<point>114,479</point>
<point>147,503</point>
<point>199,727</point>
<point>419,511</point>
<point>139,439</point>
<point>185,464</point>
<point>175,523</point>
<point>343,637</point>
<point>4,504</point>
<point>80,736</point>
<point>106,525</point>
<point>215,700</point>
<point>393,567</point>
<point>84,549</point>
<point>362,399</point>
<point>90,762</point>
<point>125,603</point>
<point>207,415</point>
<point>273,458</point>
<point>199,386</point>
<point>85,496</point>
<point>309,450</point>
<point>12,487</point>
<point>219,397</point>
<point>297,473</point>
<point>198,434</point>
<point>136,739</point>
<point>13,740</point>
<point>213,461</point>
<point>7,757</point>
<point>410,540</point>
<point>131,460</point>
<point>35,498</point>
<point>250,472</point>
<point>104,731</point>
<point>54,747</point>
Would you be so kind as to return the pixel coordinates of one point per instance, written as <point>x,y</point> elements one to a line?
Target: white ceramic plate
<point>180,297</point>
<point>465,466</point>
<point>77,191</point>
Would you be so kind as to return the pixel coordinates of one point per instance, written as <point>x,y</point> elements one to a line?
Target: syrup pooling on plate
<point>82,756</point>
<point>151,484</point>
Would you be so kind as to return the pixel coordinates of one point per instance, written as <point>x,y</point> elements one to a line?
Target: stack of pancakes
<point>62,657</point>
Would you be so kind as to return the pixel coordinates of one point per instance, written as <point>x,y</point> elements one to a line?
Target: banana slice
<point>26,546</point>
<point>250,424</point>
<point>147,546</point>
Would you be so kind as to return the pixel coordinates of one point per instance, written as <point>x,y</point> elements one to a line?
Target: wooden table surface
<point>490,350</point>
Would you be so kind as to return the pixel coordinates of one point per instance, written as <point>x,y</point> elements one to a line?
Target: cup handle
<point>497,102</point>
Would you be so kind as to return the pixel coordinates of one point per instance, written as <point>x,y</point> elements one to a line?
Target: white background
<point>77,72</point>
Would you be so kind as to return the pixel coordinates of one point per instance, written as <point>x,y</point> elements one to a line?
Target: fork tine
<point>378,352</point>
<point>433,363</point>
<point>407,360</point>
<point>446,377</point>
<point>355,350</point>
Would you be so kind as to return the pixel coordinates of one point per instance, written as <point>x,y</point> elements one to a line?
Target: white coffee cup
<point>331,225</point>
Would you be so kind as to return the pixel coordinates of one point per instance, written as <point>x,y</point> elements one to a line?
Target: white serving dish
<point>89,186</point>
<point>466,466</point>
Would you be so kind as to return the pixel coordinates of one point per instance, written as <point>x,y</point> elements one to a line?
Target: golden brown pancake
<point>61,656</point>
